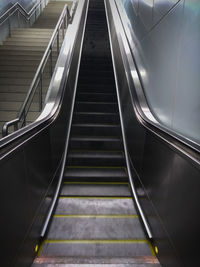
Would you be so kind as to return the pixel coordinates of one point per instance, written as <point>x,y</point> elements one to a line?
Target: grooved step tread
<point>84,189</point>
<point>95,228</point>
<point>95,172</point>
<point>96,249</point>
<point>95,205</point>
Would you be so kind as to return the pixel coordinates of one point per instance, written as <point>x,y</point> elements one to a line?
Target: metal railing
<point>19,9</point>
<point>21,120</point>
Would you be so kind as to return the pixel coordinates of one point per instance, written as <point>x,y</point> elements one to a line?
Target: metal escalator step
<point>94,227</point>
<point>96,88</point>
<point>95,205</point>
<point>93,173</point>
<point>98,117</point>
<point>96,158</point>
<point>96,97</point>
<point>96,106</point>
<point>95,189</point>
<point>84,248</point>
<point>95,129</point>
<point>107,79</point>
<point>95,143</point>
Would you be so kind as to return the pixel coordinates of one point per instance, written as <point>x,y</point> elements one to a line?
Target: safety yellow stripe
<point>95,216</point>
<point>40,248</point>
<point>151,248</point>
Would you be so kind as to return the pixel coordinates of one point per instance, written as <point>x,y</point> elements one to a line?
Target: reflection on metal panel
<point>167,48</point>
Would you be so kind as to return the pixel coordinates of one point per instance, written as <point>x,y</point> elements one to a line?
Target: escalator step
<point>101,248</point>
<point>96,227</point>
<point>96,97</point>
<point>98,117</point>
<point>95,205</point>
<point>95,143</point>
<point>94,189</point>
<point>96,106</point>
<point>96,158</point>
<point>105,80</point>
<point>95,129</point>
<point>96,88</point>
<point>95,174</point>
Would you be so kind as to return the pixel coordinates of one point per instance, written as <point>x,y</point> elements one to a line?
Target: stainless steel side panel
<point>167,181</point>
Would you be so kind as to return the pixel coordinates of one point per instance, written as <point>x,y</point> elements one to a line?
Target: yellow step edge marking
<point>94,241</point>
<point>40,248</point>
<point>101,183</point>
<point>96,197</point>
<point>94,216</point>
<point>151,248</point>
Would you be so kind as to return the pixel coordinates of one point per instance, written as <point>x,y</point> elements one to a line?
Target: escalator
<point>94,181</point>
<point>95,221</point>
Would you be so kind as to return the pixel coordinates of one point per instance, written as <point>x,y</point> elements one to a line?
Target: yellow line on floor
<point>95,216</point>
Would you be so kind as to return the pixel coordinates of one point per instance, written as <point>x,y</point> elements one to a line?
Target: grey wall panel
<point>135,4</point>
<point>167,56</point>
<point>161,8</point>
<point>146,13</point>
<point>186,117</point>
<point>159,56</point>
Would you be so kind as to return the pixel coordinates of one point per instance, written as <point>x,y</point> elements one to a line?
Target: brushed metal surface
<point>167,181</point>
<point>166,51</point>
